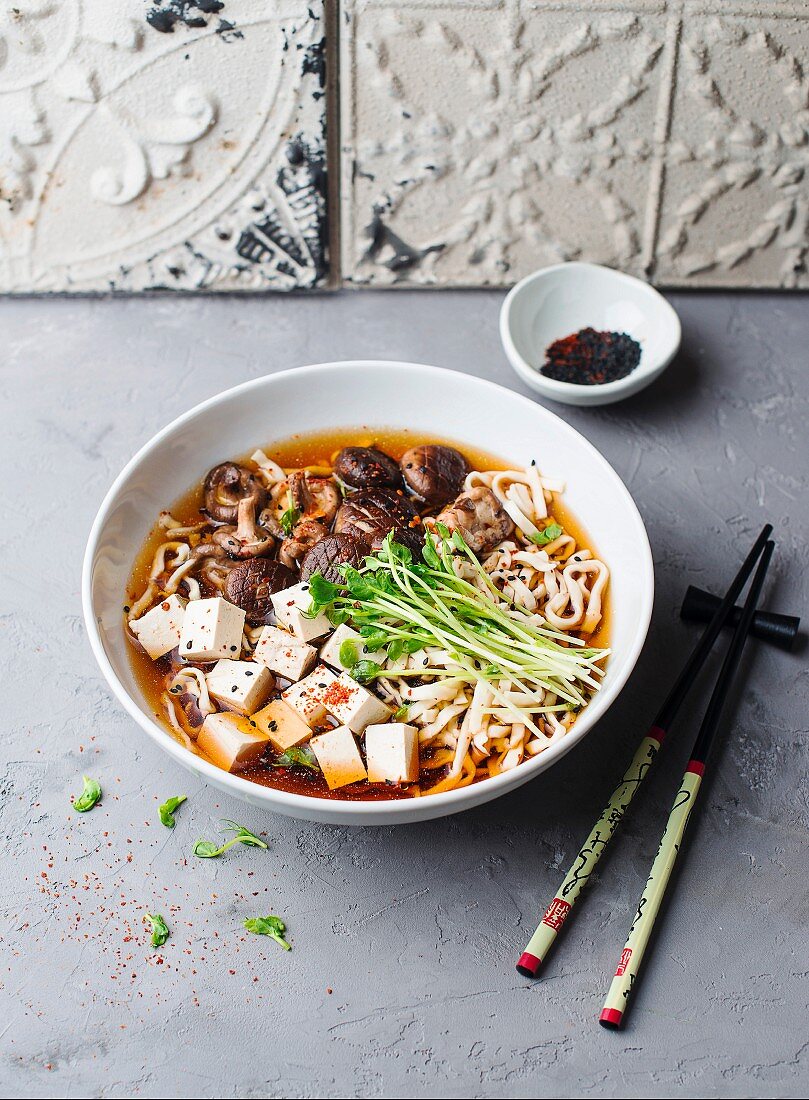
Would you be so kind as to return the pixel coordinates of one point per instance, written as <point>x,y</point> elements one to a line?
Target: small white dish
<point>385,394</point>
<point>560,300</point>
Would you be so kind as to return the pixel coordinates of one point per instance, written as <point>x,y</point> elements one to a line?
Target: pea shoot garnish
<point>296,755</point>
<point>89,796</point>
<point>290,516</point>
<point>271,926</point>
<point>166,811</point>
<point>206,849</point>
<point>406,604</point>
<point>549,534</point>
<point>160,930</point>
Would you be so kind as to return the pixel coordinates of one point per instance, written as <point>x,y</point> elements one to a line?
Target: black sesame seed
<point>189,645</point>
<point>248,672</point>
<point>234,688</point>
<point>273,726</point>
<point>233,649</point>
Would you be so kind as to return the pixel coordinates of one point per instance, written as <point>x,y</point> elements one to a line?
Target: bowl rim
<point>643,374</point>
<point>287,802</point>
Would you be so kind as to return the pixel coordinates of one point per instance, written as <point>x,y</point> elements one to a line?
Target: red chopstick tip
<point>611,1018</point>
<point>658,733</point>
<point>696,766</point>
<point>528,965</point>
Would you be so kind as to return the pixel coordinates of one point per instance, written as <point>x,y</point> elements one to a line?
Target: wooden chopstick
<point>556,914</point>
<point>626,976</point>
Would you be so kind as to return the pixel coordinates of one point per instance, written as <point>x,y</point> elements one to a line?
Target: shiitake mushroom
<point>367,468</point>
<point>330,553</point>
<point>434,473</point>
<point>251,584</point>
<point>226,486</point>
<point>371,513</point>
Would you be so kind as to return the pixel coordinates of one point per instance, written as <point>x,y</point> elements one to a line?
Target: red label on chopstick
<point>556,913</point>
<point>626,955</point>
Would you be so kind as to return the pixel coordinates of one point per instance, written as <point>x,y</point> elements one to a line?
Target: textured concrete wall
<point>402,980</point>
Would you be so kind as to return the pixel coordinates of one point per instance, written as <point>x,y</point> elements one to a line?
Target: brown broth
<point>296,452</point>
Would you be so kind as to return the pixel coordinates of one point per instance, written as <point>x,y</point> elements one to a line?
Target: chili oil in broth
<point>313,451</point>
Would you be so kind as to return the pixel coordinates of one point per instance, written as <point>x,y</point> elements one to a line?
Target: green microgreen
<point>348,653</point>
<point>296,756</point>
<point>206,849</point>
<point>290,516</point>
<point>89,796</point>
<point>271,926</point>
<point>549,534</point>
<point>405,606</point>
<point>160,930</point>
<point>166,811</point>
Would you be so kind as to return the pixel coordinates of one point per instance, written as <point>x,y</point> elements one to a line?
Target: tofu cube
<point>242,685</point>
<point>306,697</point>
<point>231,741</point>
<point>354,705</point>
<point>283,726</point>
<point>392,753</point>
<point>211,629</point>
<point>338,756</point>
<point>159,630</point>
<point>330,650</point>
<point>283,653</point>
<point>289,606</point>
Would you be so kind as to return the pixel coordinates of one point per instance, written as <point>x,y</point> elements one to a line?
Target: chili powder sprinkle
<point>591,358</point>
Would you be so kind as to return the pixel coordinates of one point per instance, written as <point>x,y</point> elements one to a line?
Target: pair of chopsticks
<point>556,914</point>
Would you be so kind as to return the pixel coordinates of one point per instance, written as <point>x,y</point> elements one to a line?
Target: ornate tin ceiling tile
<point>176,145</point>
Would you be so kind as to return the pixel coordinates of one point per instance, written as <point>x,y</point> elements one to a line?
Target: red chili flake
<point>591,358</point>
<point>337,693</point>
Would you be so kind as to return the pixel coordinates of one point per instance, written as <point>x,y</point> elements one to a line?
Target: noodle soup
<point>368,615</point>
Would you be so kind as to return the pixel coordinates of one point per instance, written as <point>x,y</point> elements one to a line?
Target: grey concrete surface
<point>401,982</point>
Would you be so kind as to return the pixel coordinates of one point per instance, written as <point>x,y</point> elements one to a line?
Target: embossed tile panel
<point>484,138</point>
<point>167,144</point>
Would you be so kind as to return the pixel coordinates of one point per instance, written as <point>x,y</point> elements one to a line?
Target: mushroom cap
<point>367,468</point>
<point>480,518</point>
<point>251,584</point>
<point>332,551</point>
<point>434,473</point>
<point>225,486</point>
<point>371,513</point>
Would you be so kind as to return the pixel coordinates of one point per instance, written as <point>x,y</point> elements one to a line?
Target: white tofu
<point>284,654</point>
<point>283,726</point>
<point>354,705</point>
<point>289,606</point>
<point>338,756</point>
<point>231,741</point>
<point>212,629</point>
<point>159,630</point>
<point>392,753</point>
<point>330,650</point>
<point>306,697</point>
<point>242,685</point>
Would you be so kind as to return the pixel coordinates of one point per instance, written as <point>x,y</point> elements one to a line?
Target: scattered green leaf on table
<point>271,926</point>
<point>206,849</point>
<point>89,796</point>
<point>166,811</point>
<point>160,930</point>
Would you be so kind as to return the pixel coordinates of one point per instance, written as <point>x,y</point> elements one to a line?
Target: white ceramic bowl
<point>557,301</point>
<point>384,394</point>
